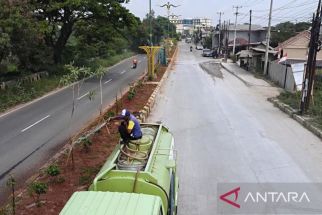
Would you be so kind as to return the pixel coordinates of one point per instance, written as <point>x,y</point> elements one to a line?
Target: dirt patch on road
<point>212,68</point>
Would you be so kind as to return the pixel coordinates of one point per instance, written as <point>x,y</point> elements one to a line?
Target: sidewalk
<point>250,80</point>
<point>245,76</point>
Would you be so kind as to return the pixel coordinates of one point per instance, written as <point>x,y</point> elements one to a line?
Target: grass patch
<point>113,60</point>
<point>292,99</point>
<point>315,111</point>
<point>26,92</point>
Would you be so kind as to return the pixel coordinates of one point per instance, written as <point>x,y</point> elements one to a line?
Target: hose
<point>132,156</point>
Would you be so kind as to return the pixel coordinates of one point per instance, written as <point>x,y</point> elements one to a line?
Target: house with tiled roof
<point>257,35</point>
<point>296,49</point>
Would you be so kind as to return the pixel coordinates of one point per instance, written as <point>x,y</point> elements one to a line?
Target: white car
<point>199,47</point>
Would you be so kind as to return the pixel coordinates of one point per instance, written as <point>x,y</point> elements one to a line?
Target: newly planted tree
<point>36,189</point>
<point>11,183</point>
<point>75,76</point>
<point>100,72</point>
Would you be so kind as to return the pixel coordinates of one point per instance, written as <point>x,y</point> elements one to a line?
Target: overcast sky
<point>283,10</point>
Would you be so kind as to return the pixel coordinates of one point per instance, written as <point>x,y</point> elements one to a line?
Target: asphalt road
<point>226,131</point>
<point>32,134</point>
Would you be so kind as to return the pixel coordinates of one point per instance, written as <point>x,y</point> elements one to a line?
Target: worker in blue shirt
<point>130,128</point>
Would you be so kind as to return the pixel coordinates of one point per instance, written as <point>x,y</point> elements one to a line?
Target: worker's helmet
<point>125,113</point>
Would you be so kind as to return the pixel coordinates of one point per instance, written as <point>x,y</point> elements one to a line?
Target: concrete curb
<point>293,114</point>
<point>145,112</point>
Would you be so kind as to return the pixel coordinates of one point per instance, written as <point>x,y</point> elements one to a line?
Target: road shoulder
<point>248,79</point>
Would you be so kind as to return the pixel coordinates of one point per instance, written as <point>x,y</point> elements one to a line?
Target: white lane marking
<point>86,94</point>
<point>123,72</point>
<point>14,109</point>
<point>23,130</point>
<point>107,81</point>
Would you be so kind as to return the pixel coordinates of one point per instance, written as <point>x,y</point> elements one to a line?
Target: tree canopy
<point>38,35</point>
<point>283,31</point>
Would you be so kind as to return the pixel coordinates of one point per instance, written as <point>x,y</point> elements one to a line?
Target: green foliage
<point>315,111</point>
<point>140,83</point>
<point>110,114</point>
<point>74,74</point>
<point>161,28</point>
<point>283,31</point>
<point>36,189</point>
<point>24,92</point>
<point>88,20</point>
<point>132,93</point>
<point>53,170</point>
<point>91,95</point>
<point>11,182</point>
<point>208,42</point>
<point>20,44</point>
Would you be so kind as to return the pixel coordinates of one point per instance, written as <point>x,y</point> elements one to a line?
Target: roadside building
<point>188,25</point>
<point>257,35</point>
<point>254,59</point>
<point>295,49</point>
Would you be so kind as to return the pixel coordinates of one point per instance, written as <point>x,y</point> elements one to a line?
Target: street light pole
<point>268,37</point>
<point>168,7</point>
<point>150,20</point>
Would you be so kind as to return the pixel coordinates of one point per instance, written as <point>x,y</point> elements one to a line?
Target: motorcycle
<point>190,48</point>
<point>135,64</point>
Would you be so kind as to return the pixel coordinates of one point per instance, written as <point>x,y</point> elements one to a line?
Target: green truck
<point>139,179</point>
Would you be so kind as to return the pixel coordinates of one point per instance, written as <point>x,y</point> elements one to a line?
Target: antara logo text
<point>231,197</point>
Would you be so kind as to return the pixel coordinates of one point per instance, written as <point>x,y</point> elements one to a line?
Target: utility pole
<point>250,28</point>
<point>227,40</point>
<point>224,43</point>
<point>237,7</point>
<point>219,45</point>
<point>268,37</point>
<point>315,46</point>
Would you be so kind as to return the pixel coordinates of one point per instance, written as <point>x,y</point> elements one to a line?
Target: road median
<point>81,158</point>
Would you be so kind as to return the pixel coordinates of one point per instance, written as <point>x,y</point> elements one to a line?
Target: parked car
<point>208,53</point>
<point>199,47</point>
<point>188,40</point>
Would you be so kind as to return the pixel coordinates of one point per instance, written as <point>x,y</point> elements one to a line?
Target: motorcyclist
<point>191,48</point>
<point>135,63</point>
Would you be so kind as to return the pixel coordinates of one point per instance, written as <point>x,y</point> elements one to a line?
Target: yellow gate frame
<point>150,52</point>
